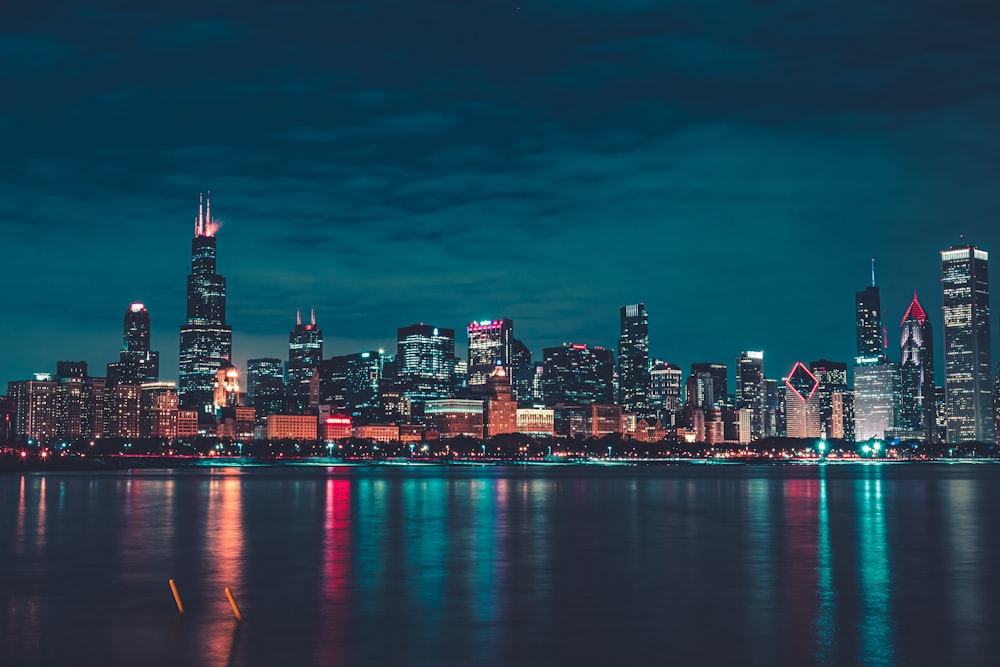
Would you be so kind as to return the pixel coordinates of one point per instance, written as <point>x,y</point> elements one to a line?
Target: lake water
<point>458,566</point>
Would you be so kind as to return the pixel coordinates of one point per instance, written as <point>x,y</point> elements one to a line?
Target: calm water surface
<point>713,565</point>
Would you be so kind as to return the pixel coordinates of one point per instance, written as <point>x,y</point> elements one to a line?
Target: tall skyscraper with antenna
<point>305,349</point>
<point>206,339</point>
<point>876,379</point>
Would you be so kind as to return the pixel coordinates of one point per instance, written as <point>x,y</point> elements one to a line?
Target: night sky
<point>734,165</point>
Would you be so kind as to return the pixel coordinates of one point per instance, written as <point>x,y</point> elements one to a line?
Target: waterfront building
<point>452,417</point>
<point>536,422</point>
<point>291,427</point>
<point>967,357</point>
<point>868,310</point>
<point>34,408</point>
<point>206,341</point>
<point>633,359</point>
<point>124,416</point>
<point>377,432</point>
<point>305,350</point>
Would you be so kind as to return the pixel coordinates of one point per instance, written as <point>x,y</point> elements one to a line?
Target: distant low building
<point>292,427</point>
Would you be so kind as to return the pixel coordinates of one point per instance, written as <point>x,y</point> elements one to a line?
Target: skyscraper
<point>633,359</point>
<point>868,307</point>
<point>836,402</point>
<point>578,375</point>
<point>137,363</point>
<point>305,349</point>
<point>425,356</point>
<point>802,408</point>
<point>266,386</point>
<point>490,341</point>
<point>967,361</point>
<point>718,386</point>
<point>876,379</point>
<point>876,397</point>
<point>750,390</point>
<point>206,340</point>
<point>916,372</point>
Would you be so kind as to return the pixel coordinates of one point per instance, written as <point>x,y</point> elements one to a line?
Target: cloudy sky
<point>733,164</point>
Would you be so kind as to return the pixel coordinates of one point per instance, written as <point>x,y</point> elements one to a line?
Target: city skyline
<point>461,348</point>
<point>546,163</point>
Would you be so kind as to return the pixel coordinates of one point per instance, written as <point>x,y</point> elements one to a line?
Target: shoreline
<point>140,462</point>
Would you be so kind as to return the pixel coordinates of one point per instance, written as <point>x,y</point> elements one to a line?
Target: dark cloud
<point>732,164</point>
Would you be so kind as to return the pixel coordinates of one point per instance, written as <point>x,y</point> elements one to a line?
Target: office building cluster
<point>423,390</point>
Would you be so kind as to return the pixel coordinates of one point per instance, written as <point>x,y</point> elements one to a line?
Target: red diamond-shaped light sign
<point>802,381</point>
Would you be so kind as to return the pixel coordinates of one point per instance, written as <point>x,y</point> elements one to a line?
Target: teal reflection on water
<point>873,564</point>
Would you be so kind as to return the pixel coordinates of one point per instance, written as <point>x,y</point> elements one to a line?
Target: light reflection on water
<point>494,566</point>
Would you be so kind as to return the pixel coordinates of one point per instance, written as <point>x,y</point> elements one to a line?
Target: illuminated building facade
<point>967,356</point>
<point>835,397</point>
<point>35,408</point>
<point>536,422</point>
<point>291,427</point>
<point>425,356</point>
<point>633,359</point>
<point>305,350</point>
<point>916,372</point>
<point>452,417</point>
<point>158,410</point>
<point>578,375</point>
<point>665,382</point>
<point>490,341</point>
<point>226,392</point>
<point>750,392</point>
<point>500,408</point>
<point>802,406</point>
<point>876,397</point>
<point>206,341</point>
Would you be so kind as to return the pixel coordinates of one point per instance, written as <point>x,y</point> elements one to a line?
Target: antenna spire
<point>208,209</point>
<point>201,215</point>
<point>298,317</point>
<point>313,317</point>
<point>873,272</point>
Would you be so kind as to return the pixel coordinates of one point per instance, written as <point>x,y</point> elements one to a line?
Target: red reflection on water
<point>801,557</point>
<point>225,561</point>
<point>336,573</point>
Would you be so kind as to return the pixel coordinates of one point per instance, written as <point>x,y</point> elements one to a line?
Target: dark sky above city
<point>733,164</point>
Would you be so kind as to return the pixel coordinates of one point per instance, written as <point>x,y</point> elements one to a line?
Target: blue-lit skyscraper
<point>206,341</point>
<point>425,357</point>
